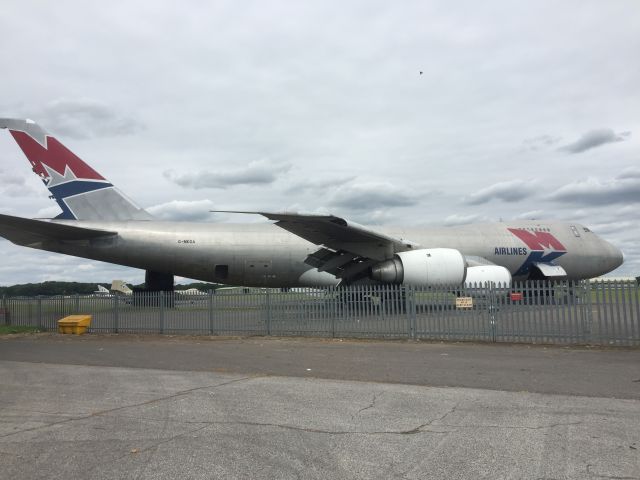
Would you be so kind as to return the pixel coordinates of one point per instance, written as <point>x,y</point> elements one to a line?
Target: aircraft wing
<point>348,249</point>
<point>24,231</point>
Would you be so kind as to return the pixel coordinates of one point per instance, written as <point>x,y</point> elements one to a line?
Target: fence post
<point>491,287</point>
<point>116,313</point>
<point>210,312</point>
<point>7,314</point>
<point>410,308</point>
<point>39,311</point>
<point>334,309</point>
<point>161,298</point>
<point>77,305</point>
<point>587,317</point>
<point>268,299</point>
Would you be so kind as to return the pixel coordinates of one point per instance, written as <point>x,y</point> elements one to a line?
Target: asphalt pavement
<point>199,407</point>
<point>596,372</point>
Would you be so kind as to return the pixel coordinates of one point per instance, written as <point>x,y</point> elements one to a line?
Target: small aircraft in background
<point>102,292</point>
<point>118,287</point>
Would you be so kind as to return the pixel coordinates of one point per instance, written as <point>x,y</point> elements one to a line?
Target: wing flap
<point>550,270</point>
<point>344,265</point>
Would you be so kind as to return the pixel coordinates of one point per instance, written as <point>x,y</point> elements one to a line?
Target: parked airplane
<point>102,292</point>
<point>100,223</point>
<point>120,287</point>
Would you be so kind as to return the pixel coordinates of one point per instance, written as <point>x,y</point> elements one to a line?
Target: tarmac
<point>155,407</point>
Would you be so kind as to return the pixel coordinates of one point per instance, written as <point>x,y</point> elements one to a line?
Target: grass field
<point>8,329</point>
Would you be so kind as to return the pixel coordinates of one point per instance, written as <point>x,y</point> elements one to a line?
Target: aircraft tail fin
<point>80,191</point>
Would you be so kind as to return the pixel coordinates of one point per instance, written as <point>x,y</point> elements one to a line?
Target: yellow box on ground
<point>75,324</point>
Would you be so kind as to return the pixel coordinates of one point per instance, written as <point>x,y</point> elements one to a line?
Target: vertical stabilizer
<point>80,191</point>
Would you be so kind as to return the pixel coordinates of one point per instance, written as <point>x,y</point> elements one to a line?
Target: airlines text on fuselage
<point>510,251</point>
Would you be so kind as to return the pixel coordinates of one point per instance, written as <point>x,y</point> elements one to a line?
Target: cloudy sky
<point>408,113</point>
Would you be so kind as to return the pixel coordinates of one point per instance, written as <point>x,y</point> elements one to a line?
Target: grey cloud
<point>8,178</point>
<point>628,211</point>
<point>457,219</point>
<point>318,184</point>
<point>575,215</point>
<point>510,191</point>
<point>86,118</point>
<point>608,228</point>
<point>48,212</point>
<point>340,95</point>
<point>371,196</point>
<point>596,192</point>
<point>595,138</point>
<point>363,216</point>
<point>630,172</point>
<point>18,191</point>
<point>375,217</point>
<point>532,215</point>
<point>539,142</point>
<point>12,185</point>
<point>177,210</point>
<point>302,208</point>
<point>261,172</point>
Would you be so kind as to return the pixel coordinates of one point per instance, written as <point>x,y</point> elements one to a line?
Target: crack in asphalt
<point>371,405</point>
<point>612,477</point>
<point>124,407</point>
<point>412,431</point>
<point>419,429</point>
<point>422,428</point>
<point>516,427</point>
<point>153,446</point>
<point>325,432</point>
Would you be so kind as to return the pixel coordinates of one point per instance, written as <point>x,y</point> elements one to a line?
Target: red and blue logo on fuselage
<point>543,248</point>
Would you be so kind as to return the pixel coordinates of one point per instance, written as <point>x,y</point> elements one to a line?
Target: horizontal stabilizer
<point>25,231</point>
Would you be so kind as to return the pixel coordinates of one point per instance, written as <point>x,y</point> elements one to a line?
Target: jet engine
<point>423,267</point>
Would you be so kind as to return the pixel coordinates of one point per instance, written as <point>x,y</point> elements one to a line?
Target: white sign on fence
<point>464,302</point>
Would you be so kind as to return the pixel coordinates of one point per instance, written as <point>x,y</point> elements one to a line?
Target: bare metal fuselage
<point>268,256</point>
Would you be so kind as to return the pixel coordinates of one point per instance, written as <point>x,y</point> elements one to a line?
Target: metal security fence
<point>603,313</point>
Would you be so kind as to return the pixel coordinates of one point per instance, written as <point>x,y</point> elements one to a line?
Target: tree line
<point>71,288</point>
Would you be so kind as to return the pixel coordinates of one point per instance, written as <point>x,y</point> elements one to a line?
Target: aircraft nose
<point>615,256</point>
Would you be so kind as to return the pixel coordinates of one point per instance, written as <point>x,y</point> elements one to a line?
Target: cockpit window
<point>586,229</point>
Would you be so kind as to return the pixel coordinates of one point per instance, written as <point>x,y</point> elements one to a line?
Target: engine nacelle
<point>423,267</point>
<point>477,277</point>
